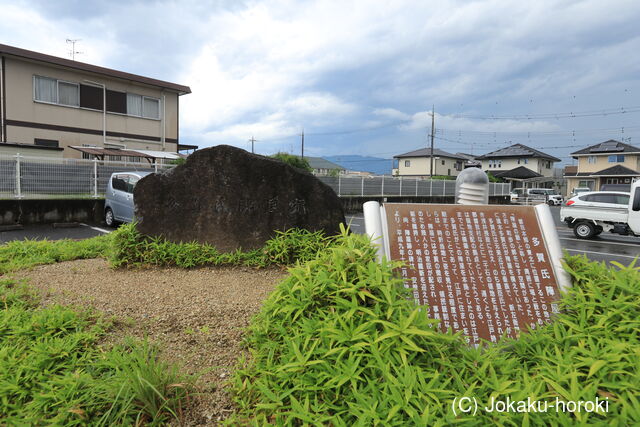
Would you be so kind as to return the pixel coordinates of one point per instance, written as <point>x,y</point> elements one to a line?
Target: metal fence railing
<point>23,177</point>
<point>384,186</point>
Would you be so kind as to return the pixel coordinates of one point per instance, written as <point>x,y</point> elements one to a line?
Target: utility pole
<point>252,140</point>
<point>433,120</point>
<point>302,135</point>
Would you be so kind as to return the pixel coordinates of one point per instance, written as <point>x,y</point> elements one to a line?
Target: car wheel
<point>550,203</point>
<point>108,218</point>
<point>584,230</point>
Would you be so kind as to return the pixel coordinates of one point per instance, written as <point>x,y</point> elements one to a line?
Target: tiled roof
<point>426,152</point>
<point>517,150</point>
<point>520,172</point>
<point>320,163</point>
<point>608,147</point>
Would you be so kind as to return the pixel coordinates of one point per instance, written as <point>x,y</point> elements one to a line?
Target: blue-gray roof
<point>517,150</point>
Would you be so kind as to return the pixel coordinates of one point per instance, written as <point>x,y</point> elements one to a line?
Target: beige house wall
<point>30,152</point>
<point>631,161</point>
<point>422,166</point>
<point>22,107</point>
<point>536,165</point>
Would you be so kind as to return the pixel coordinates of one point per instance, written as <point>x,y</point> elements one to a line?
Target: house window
<point>150,108</point>
<point>87,155</point>
<point>116,102</point>
<point>407,163</point>
<point>586,183</point>
<point>616,158</point>
<point>68,94</point>
<point>592,159</point>
<point>443,163</point>
<point>134,105</point>
<point>46,142</point>
<point>45,89</point>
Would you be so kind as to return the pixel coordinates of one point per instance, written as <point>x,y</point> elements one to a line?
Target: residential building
<point>521,165</point>
<point>609,162</point>
<point>418,163</point>
<point>54,104</point>
<point>321,166</point>
<point>471,160</point>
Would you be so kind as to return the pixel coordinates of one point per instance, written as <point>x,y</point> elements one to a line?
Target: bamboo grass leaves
<point>341,342</point>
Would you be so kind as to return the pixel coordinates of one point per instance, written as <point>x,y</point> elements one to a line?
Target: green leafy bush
<point>130,248</point>
<point>293,160</point>
<point>53,372</point>
<point>340,342</point>
<point>20,254</point>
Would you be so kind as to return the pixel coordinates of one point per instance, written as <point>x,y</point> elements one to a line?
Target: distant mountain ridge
<point>356,162</point>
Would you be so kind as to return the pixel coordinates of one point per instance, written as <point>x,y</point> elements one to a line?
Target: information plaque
<point>486,270</point>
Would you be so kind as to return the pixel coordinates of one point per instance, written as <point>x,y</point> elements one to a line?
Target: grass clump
<point>53,372</point>
<point>132,249</point>
<point>341,342</point>
<point>20,254</point>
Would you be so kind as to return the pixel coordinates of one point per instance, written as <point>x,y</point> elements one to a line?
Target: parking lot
<point>605,247</point>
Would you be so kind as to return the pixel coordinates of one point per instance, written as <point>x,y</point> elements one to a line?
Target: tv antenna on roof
<point>73,51</point>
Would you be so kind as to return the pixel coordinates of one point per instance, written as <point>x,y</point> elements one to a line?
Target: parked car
<point>118,200</point>
<point>546,195</point>
<point>579,190</point>
<point>590,214</point>
<point>601,199</point>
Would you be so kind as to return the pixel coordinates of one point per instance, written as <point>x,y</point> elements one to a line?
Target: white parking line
<point>602,253</point>
<point>102,230</point>
<point>608,242</point>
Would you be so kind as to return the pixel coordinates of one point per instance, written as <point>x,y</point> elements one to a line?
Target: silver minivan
<point>118,200</point>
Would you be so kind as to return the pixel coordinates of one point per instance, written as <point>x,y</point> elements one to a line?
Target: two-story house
<point>50,103</point>
<point>520,165</point>
<point>418,163</point>
<point>609,162</point>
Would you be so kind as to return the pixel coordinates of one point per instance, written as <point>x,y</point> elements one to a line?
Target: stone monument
<point>232,199</point>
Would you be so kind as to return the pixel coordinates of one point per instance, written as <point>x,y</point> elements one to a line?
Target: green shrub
<point>53,372</point>
<point>293,160</point>
<point>20,254</point>
<point>130,248</point>
<point>340,342</point>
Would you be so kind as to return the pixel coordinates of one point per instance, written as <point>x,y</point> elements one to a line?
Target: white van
<point>118,200</point>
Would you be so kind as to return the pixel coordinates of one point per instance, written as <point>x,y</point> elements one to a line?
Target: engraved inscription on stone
<point>483,270</point>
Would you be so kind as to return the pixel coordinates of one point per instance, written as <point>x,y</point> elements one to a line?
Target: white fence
<point>23,177</point>
<point>385,186</point>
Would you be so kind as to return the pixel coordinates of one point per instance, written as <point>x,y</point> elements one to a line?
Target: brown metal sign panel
<point>483,270</point>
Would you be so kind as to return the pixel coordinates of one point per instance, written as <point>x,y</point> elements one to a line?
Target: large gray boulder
<point>233,199</point>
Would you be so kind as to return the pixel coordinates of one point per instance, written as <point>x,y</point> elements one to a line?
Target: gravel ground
<point>196,316</point>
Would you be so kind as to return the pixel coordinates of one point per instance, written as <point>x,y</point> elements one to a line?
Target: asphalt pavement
<point>50,232</point>
<point>606,247</point>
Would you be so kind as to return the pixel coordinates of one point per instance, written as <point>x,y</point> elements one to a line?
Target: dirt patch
<point>196,316</point>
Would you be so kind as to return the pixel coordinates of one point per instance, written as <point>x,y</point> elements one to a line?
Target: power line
<point>592,113</point>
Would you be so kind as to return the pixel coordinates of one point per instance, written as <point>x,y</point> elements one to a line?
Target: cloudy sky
<point>361,77</point>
